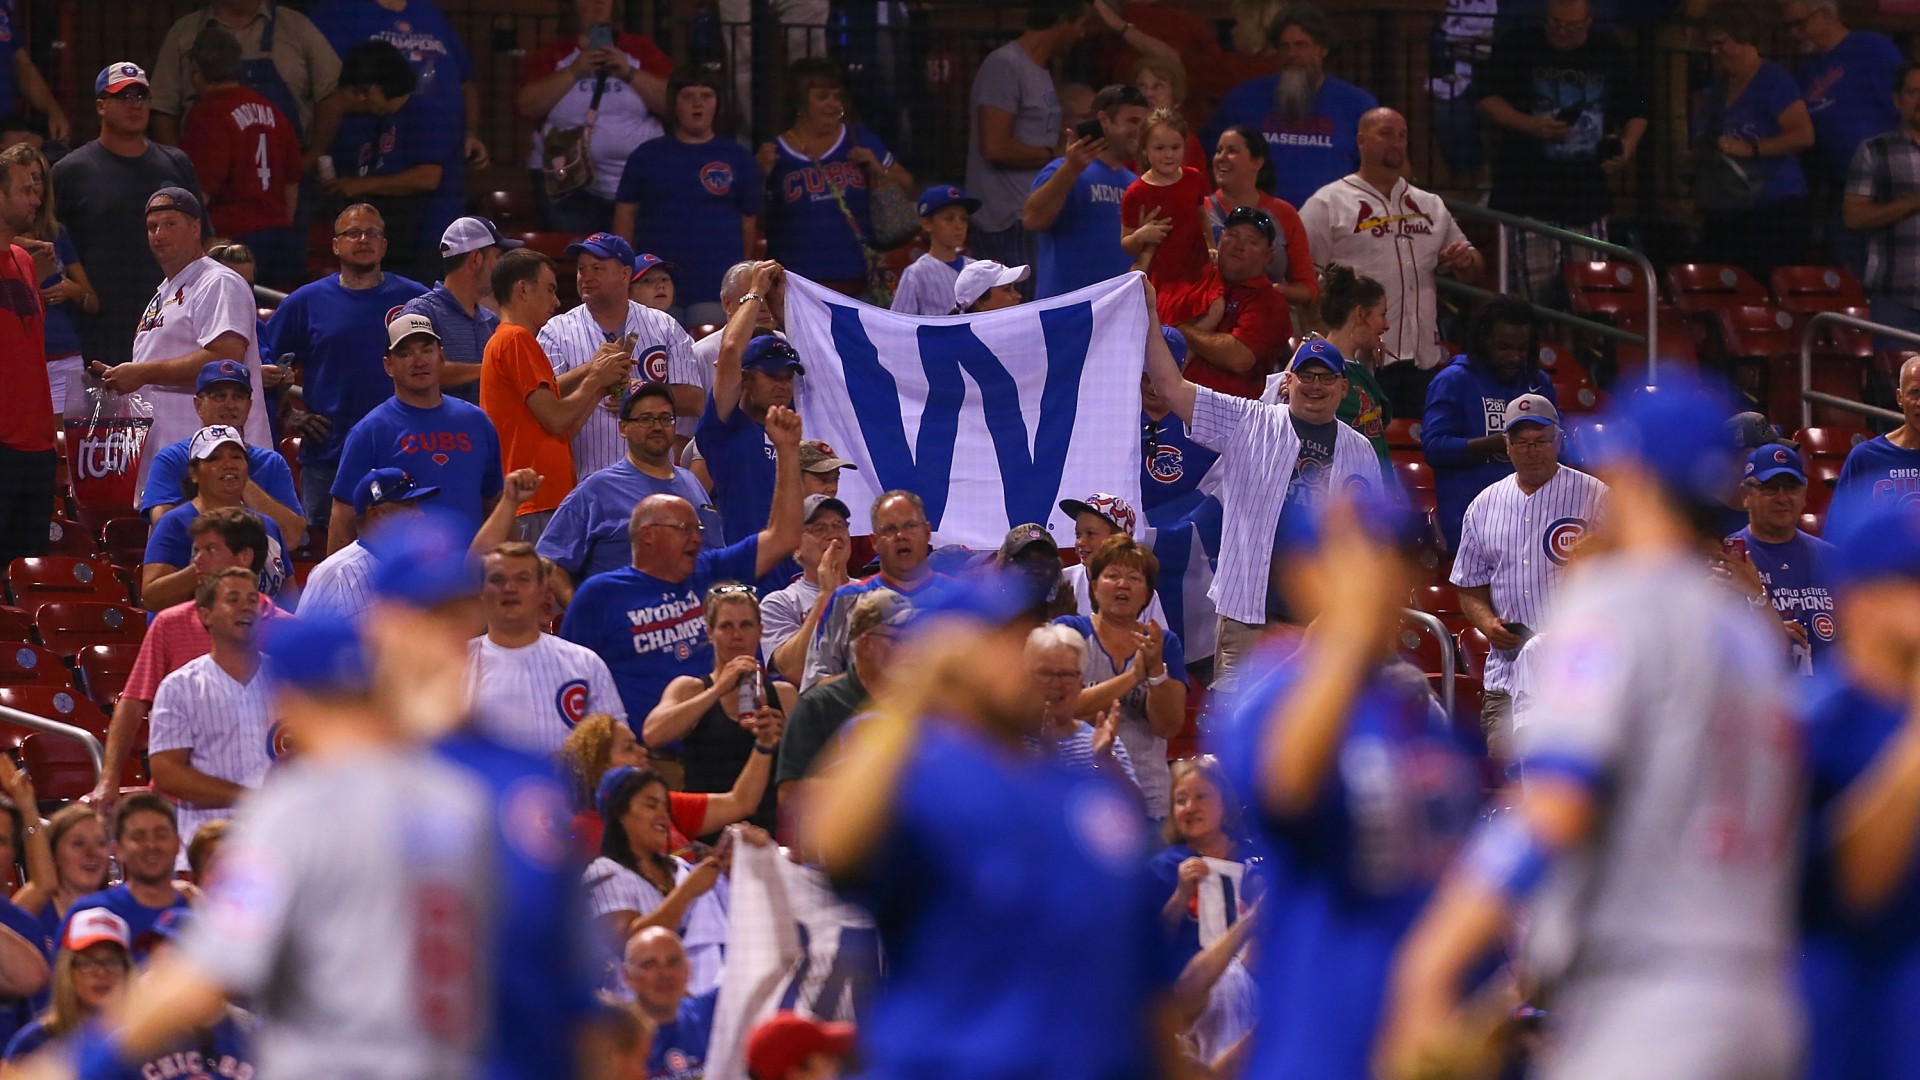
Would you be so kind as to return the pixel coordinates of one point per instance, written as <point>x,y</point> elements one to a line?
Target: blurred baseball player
<point>1660,809</point>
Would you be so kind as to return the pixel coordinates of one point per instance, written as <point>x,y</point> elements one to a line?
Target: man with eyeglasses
<point>588,534</point>
<point>1514,547</point>
<point>901,539</point>
<point>1775,562</point>
<point>646,620</point>
<point>1235,346</point>
<point>789,616</point>
<point>101,189</point>
<point>335,331</point>
<point>1844,77</point>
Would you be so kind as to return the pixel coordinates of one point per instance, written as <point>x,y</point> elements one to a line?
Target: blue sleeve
<point>16,919</point>
<point>1175,654</point>
<point>168,544</point>
<point>26,1041</point>
<point>868,139</point>
<point>462,60</point>
<point>1443,425</point>
<point>1780,91</point>
<point>1046,173</point>
<point>709,431</point>
<point>274,478</point>
<point>428,141</point>
<point>356,459</point>
<point>581,621</point>
<point>1081,624</point>
<point>494,479</point>
<point>628,190</point>
<point>750,187</point>
<point>63,245</point>
<point>288,328</point>
<point>565,538</point>
<point>164,478</point>
<point>735,562</point>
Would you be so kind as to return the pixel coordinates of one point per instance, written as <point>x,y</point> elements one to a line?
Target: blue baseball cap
<point>177,199</point>
<point>1176,344</point>
<point>940,196</point>
<point>117,76</point>
<point>316,654</point>
<point>771,352</point>
<point>1675,432</point>
<point>424,562</point>
<point>1777,459</point>
<point>1319,351</point>
<point>215,372</point>
<point>610,782</point>
<point>646,261</point>
<point>605,245</point>
<point>383,487</point>
<point>1878,541</point>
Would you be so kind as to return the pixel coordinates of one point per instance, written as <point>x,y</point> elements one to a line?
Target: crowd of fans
<point>673,600</point>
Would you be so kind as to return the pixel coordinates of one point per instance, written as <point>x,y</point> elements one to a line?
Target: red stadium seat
<point>34,581</point>
<point>1435,599</point>
<point>16,624</point>
<point>1419,644</point>
<point>1473,647</point>
<point>1704,287</point>
<point>1403,433</point>
<point>509,208</point>
<point>70,538</point>
<point>551,244</point>
<point>1414,475</point>
<point>104,670</point>
<point>1807,289</point>
<point>702,330</point>
<point>1757,332</point>
<point>125,541</point>
<point>64,704</point>
<point>1813,524</point>
<point>1605,288</point>
<point>62,770</point>
<point>1678,343</point>
<point>1830,442</point>
<point>1822,474</point>
<point>96,515</point>
<point>290,450</point>
<point>22,664</point>
<point>67,626</point>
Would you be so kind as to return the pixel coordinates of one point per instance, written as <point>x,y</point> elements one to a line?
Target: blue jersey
<point>1351,872</point>
<point>223,1050</point>
<point>62,337</point>
<point>588,534</point>
<point>680,1045</point>
<point>1755,115</point>
<point>1083,244</point>
<point>1307,153</point>
<point>740,459</point>
<point>422,34</point>
<point>1861,970</point>
<point>1796,576</point>
<point>170,544</point>
<point>463,337</point>
<point>1020,926</point>
<point>169,468</point>
<point>806,228</point>
<point>648,630</point>
<point>451,446</point>
<point>139,917</point>
<point>690,198</point>
<point>338,336</point>
<point>17,1013</point>
<point>1171,470</point>
<point>1876,472</point>
<point>546,952</point>
<point>1847,89</point>
<point>1468,401</point>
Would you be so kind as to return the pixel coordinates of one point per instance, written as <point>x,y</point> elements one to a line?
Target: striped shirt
<point>570,340</point>
<point>1887,167</point>
<point>342,585</point>
<point>926,286</point>
<point>174,637</point>
<point>695,370</point>
<point>530,697</point>
<point>1076,751</point>
<point>1518,544</point>
<point>225,726</point>
<point>612,887</point>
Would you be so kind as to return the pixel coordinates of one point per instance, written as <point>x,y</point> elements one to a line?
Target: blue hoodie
<point>1467,401</point>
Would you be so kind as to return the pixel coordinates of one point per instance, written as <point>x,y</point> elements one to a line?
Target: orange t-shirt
<point>513,366</point>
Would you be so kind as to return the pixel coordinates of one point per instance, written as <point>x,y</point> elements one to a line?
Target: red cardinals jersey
<point>247,155</point>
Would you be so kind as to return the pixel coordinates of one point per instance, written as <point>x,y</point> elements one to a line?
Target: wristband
<point>1156,680</point>
<point>753,296</point>
<point>1505,856</point>
<point>758,749</point>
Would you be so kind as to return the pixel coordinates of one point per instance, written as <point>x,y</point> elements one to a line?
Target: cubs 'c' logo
<point>392,314</point>
<point>571,700</point>
<point>279,743</point>
<point>1168,465</point>
<point>1823,626</point>
<point>682,651</point>
<point>1562,537</point>
<point>653,363</point>
<point>716,177</point>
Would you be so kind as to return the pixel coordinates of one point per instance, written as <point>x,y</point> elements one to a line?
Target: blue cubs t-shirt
<point>1352,871</point>
<point>451,446</point>
<point>140,918</point>
<point>388,145</point>
<point>1083,245</point>
<point>1756,115</point>
<point>648,630</point>
<point>680,1045</point>
<point>588,533</point>
<point>169,469</point>
<point>1171,470</point>
<point>338,336</point>
<point>421,33</point>
<point>1849,95</point>
<point>1876,473</point>
<point>740,459</point>
<point>170,544</point>
<point>1796,576</point>
<point>806,228</point>
<point>1310,152</point>
<point>690,199</point>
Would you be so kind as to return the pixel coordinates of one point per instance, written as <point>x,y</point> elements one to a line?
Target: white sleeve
<point>224,305</point>
<point>1218,418</point>
<point>602,694</point>
<point>1317,219</point>
<point>1473,564</point>
<point>170,724</point>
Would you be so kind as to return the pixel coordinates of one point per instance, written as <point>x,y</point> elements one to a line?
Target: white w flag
<point>992,418</point>
<point>791,944</point>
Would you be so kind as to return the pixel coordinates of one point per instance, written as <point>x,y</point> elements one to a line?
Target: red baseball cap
<point>781,1043</point>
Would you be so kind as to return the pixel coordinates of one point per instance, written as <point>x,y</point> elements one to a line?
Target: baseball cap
<point>215,372</point>
<point>980,275</point>
<point>316,654</point>
<point>1118,512</point>
<point>605,245</point>
<point>940,196</point>
<point>610,784</point>
<point>1531,409</point>
<point>1176,344</point>
<point>1777,459</point>
<point>407,326</point>
<point>208,439</point>
<point>424,562</point>
<point>1254,216</point>
<point>1319,351</point>
<point>1675,432</point>
<point>817,457</point>
<point>384,487</point>
<point>813,504</point>
<point>91,926</point>
<point>471,234</point>
<point>881,607</point>
<point>770,352</point>
<point>1879,541</point>
<point>117,76</point>
<point>176,198</point>
<point>646,261</point>
<point>1022,537</point>
<point>1751,430</point>
<point>786,1040</point>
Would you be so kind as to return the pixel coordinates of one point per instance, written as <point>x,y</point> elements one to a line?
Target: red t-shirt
<point>246,155</point>
<point>1257,317</point>
<point>686,809</point>
<point>1180,262</point>
<point>26,404</point>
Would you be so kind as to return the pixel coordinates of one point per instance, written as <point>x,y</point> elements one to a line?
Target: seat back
<point>22,664</point>
<point>1817,288</point>
<point>64,704</point>
<point>104,670</point>
<point>125,540</point>
<point>1701,287</point>
<point>67,626</point>
<point>35,580</point>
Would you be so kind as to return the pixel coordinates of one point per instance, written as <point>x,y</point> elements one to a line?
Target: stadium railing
<point>1810,397</point>
<point>58,730</point>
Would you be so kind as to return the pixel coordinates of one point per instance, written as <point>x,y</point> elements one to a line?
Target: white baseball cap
<point>471,234</point>
<point>92,926</point>
<point>980,275</point>
<point>208,439</point>
<point>407,326</point>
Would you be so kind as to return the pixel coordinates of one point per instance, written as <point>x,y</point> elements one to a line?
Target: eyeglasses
<point>360,234</point>
<point>692,530</point>
<point>136,96</point>
<point>1315,378</point>
<point>888,532</point>
<point>825,528</point>
<point>733,588</point>
<point>1056,674</point>
<point>83,962</point>
<point>652,419</point>
<point>1529,444</point>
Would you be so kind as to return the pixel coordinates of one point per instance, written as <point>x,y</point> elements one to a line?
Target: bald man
<point>1886,469</point>
<point>655,968</point>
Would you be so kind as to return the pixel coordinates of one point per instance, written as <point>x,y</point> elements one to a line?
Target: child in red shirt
<point>1167,235</point>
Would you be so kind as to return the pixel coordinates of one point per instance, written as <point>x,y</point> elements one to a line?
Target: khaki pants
<point>1496,722</point>
<point>1233,644</point>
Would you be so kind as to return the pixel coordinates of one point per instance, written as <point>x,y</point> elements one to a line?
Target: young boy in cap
<point>652,283</point>
<point>926,285</point>
<point>985,285</point>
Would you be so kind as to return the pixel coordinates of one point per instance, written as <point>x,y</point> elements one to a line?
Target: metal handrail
<point>1810,397</point>
<point>59,730</point>
<point>1449,659</point>
<point>1504,277</point>
<point>272,297</point>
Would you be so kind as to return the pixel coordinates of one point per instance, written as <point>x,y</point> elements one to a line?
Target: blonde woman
<point>89,976</point>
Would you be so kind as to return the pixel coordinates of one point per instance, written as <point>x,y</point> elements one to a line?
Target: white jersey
<point>783,612</point>
<point>612,887</point>
<point>225,725</point>
<point>189,310</point>
<point>570,340</point>
<point>926,286</point>
<point>530,698</point>
<point>696,370</point>
<point>341,586</point>
<point>1396,239</point>
<point>1076,576</point>
<point>1518,544</point>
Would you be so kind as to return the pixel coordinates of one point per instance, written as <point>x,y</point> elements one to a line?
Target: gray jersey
<point>1667,691</point>
<point>350,910</point>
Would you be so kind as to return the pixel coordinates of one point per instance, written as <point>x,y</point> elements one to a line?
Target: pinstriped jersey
<point>570,340</point>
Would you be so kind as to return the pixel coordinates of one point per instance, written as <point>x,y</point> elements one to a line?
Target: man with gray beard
<point>1310,118</point>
